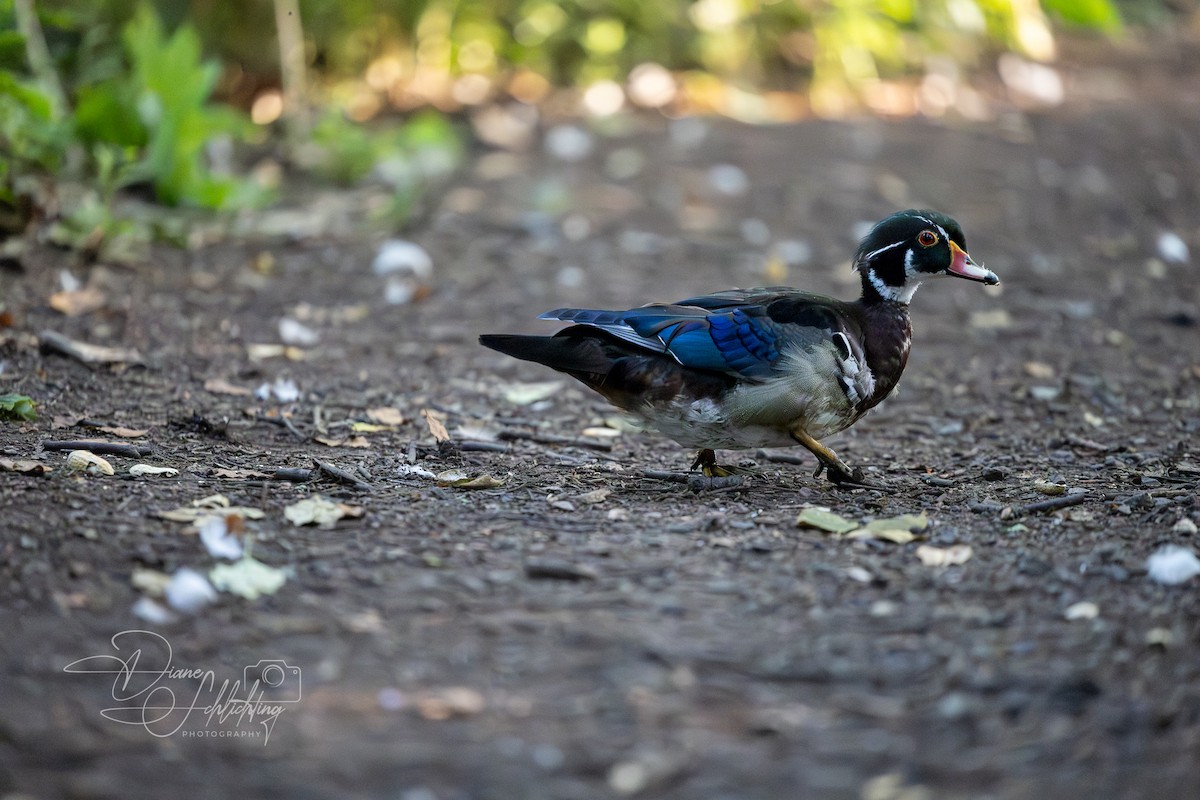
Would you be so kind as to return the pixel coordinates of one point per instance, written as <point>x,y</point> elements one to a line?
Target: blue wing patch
<point>729,340</point>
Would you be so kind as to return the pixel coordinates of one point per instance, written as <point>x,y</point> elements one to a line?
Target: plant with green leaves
<point>17,406</point>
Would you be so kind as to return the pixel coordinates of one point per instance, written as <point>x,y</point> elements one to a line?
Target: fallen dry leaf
<point>319,511</point>
<point>138,470</point>
<point>24,466</point>
<point>944,556</point>
<point>79,302</point>
<point>453,701</point>
<point>222,386</point>
<point>594,496</point>
<point>247,577</point>
<point>206,506</point>
<point>385,416</point>
<point>524,394</point>
<point>261,352</point>
<point>460,480</point>
<point>601,432</point>
<point>437,425</point>
<point>893,535</point>
<point>369,427</point>
<point>349,441</point>
<point>240,474</point>
<point>150,581</point>
<point>124,433</point>
<point>825,520</point>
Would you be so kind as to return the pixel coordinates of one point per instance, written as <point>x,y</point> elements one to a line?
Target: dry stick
<point>547,438</point>
<point>287,423</point>
<point>659,475</point>
<point>1053,504</point>
<point>342,475</point>
<point>295,474</point>
<point>283,422</point>
<point>487,447</point>
<point>96,446</point>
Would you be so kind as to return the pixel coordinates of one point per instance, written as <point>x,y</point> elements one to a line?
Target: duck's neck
<point>886,340</point>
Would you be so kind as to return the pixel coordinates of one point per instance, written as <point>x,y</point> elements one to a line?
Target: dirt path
<point>582,630</point>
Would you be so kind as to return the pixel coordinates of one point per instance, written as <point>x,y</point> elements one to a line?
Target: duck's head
<point>910,246</point>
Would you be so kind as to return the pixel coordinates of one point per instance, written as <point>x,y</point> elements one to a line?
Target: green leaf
<point>825,520</point>
<point>1102,15</point>
<point>17,406</point>
<point>107,112</point>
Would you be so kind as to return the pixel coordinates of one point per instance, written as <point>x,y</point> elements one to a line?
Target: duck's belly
<point>707,424</point>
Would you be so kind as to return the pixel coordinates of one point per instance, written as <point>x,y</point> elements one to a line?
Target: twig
<point>283,422</point>
<point>289,31</point>
<point>660,475</point>
<point>554,569</point>
<point>342,475</point>
<point>55,342</point>
<point>486,447</point>
<point>782,458</point>
<point>1053,504</point>
<point>97,446</point>
<point>287,423</point>
<point>549,438</point>
<point>294,474</point>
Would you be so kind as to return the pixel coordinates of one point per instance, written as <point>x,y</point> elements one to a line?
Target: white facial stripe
<point>884,249</point>
<point>910,268</point>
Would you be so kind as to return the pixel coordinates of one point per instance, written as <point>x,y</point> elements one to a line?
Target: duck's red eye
<point>927,238</point>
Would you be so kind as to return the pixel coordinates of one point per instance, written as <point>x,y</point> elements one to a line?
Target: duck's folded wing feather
<point>730,337</point>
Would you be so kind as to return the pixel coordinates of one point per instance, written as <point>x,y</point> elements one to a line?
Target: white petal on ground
<point>189,591</point>
<point>1172,248</point>
<point>404,258</point>
<point>1172,565</point>
<point>214,533</point>
<point>293,331</point>
<point>152,611</point>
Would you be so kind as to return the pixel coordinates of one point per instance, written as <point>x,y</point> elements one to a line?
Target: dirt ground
<point>583,630</point>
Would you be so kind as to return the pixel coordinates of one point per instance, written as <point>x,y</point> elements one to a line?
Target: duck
<point>764,367</point>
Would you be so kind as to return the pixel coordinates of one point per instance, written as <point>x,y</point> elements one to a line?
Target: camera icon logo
<point>276,676</point>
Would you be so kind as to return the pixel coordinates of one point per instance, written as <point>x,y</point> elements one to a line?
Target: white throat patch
<point>897,294</point>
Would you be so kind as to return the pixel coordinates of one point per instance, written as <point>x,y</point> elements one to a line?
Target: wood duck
<point>768,367</point>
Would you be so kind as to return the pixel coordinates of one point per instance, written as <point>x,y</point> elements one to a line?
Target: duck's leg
<point>836,469</point>
<point>706,460</point>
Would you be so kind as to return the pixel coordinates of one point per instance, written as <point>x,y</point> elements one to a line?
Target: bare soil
<point>543,639</point>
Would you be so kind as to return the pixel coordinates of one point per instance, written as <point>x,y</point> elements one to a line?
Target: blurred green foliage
<point>123,99</point>
<point>17,406</point>
<point>116,95</point>
<point>758,43</point>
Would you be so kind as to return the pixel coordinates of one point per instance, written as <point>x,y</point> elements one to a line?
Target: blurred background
<point>212,103</point>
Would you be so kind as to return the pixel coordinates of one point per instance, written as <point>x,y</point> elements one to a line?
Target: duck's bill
<point>961,266</point>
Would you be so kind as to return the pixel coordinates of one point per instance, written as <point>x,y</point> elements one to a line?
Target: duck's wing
<point>742,333</point>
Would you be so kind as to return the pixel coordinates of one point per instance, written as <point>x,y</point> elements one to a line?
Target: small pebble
<point>568,143</point>
<point>1184,527</point>
<point>729,179</point>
